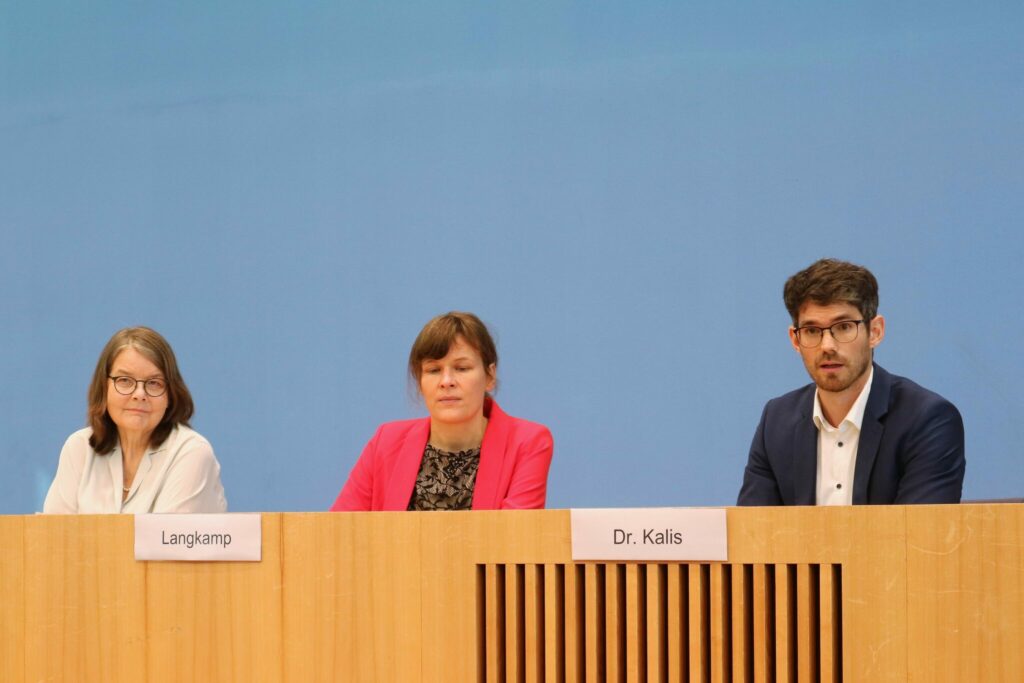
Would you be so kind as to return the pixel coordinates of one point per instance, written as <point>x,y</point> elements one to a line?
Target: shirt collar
<point>152,450</point>
<point>856,415</point>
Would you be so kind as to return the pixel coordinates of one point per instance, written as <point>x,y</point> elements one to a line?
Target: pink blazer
<point>514,460</point>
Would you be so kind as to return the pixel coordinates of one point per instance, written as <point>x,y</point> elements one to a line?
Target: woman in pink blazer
<point>468,454</point>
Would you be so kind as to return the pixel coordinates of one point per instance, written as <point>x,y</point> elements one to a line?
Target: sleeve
<point>62,498</point>
<point>357,493</point>
<point>759,484</point>
<point>193,481</point>
<point>933,460</point>
<point>529,485</point>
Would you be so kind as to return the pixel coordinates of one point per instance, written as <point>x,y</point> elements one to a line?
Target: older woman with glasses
<point>468,454</point>
<point>138,453</point>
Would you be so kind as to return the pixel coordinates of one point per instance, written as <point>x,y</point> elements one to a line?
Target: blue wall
<point>288,193</point>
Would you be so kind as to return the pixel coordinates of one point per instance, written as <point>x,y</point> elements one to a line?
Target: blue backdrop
<point>288,192</point>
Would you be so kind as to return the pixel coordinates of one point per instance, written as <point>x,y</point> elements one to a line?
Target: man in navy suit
<point>857,434</point>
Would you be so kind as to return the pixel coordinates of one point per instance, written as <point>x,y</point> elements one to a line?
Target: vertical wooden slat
<point>657,661</point>
<point>699,645</point>
<point>481,623</point>
<point>533,602</point>
<point>678,615</point>
<point>830,625</point>
<point>575,625</point>
<point>555,626</point>
<point>764,623</point>
<point>785,633</point>
<point>515,645</point>
<point>807,622</point>
<point>720,627</point>
<point>494,580</point>
<point>615,622</point>
<point>595,658</point>
<point>636,623</point>
<point>742,623</point>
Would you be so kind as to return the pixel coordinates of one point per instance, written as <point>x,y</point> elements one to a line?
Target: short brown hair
<point>438,335</point>
<point>154,347</point>
<point>828,281</point>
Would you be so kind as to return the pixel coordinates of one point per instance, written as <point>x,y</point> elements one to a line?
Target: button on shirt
<point>837,450</point>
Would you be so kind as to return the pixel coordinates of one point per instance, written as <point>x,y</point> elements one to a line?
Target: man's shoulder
<point>906,394</point>
<point>797,400</point>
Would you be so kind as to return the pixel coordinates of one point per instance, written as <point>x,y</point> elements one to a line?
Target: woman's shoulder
<point>186,439</point>
<point>77,444</point>
<point>79,437</point>
<point>518,422</point>
<point>400,428</point>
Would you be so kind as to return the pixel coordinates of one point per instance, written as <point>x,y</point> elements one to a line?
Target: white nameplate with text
<point>649,534</point>
<point>199,538</point>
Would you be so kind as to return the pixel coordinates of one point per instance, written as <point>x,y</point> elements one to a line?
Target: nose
<point>447,378</point>
<point>828,342</point>
<point>140,391</point>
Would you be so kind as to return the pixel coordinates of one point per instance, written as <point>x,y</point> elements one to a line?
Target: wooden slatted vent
<point>659,622</point>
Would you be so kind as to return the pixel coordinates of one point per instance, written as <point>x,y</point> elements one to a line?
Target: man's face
<point>838,366</point>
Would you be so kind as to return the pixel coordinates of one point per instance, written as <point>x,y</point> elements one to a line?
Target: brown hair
<point>828,281</point>
<point>438,335</point>
<point>154,347</point>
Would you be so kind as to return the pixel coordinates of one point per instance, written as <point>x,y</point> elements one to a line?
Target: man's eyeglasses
<point>844,331</point>
<point>127,385</point>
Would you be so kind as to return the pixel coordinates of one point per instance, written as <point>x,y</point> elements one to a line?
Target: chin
<point>833,384</point>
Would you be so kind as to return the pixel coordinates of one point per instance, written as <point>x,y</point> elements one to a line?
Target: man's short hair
<point>830,281</point>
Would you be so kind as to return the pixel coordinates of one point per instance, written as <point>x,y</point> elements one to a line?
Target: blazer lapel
<point>871,429</point>
<point>407,466</point>
<point>805,455</point>
<point>492,460</point>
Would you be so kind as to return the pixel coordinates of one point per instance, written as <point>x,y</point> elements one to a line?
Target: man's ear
<point>876,331</point>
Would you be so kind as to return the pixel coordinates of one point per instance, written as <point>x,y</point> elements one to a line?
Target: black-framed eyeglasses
<point>125,385</point>
<point>844,331</point>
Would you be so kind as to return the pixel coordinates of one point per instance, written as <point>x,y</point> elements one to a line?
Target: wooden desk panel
<point>923,593</point>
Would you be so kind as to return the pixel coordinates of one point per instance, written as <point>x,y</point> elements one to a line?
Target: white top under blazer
<point>180,475</point>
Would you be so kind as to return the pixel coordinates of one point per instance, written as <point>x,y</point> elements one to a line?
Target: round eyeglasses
<point>127,385</point>
<point>844,331</point>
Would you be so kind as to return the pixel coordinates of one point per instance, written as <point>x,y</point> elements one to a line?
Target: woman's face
<point>136,413</point>
<point>454,387</point>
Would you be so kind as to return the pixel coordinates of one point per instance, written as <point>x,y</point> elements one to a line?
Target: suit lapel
<point>407,466</point>
<point>492,459</point>
<point>805,459</point>
<point>871,429</point>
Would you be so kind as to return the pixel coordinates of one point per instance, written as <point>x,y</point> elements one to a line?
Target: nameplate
<point>650,534</point>
<point>199,538</point>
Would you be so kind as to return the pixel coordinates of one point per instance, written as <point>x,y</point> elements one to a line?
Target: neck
<point>836,405</point>
<point>458,437</point>
<point>133,445</point>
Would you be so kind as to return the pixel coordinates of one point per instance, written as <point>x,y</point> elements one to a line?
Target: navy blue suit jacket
<point>911,448</point>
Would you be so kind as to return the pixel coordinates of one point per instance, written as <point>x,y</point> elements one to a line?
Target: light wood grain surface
<point>932,593</point>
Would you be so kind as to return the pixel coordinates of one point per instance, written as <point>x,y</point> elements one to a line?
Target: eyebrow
<point>832,321</point>
<point>457,359</point>
<point>121,372</point>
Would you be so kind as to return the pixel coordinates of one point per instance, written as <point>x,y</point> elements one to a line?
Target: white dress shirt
<point>179,475</point>
<point>837,449</point>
